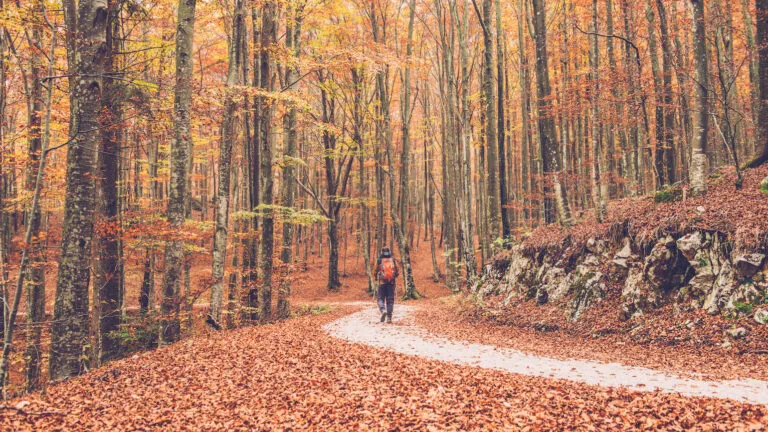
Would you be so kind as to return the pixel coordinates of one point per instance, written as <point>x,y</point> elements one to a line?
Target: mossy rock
<point>669,194</point>
<point>764,185</point>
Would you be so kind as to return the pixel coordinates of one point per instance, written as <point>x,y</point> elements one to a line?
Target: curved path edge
<point>363,327</point>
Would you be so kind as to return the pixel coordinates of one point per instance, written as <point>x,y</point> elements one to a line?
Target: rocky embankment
<point>647,256</point>
<point>692,271</point>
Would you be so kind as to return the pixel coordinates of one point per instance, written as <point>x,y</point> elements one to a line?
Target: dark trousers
<point>386,297</point>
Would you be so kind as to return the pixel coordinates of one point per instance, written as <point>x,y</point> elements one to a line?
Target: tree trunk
<point>506,223</point>
<point>658,159</point>
<point>491,136</point>
<point>525,167</point>
<point>228,137</point>
<point>109,268</point>
<point>179,155</point>
<point>754,65</point>
<point>559,207</point>
<point>762,44</point>
<point>34,277</point>
<point>288,192</point>
<point>599,184</point>
<point>70,330</point>
<point>400,221</point>
<point>699,157</point>
<point>670,158</point>
<point>268,39</point>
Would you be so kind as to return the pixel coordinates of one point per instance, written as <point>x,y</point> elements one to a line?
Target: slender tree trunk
<point>228,137</point>
<point>109,273</point>
<point>559,206</point>
<point>34,277</point>
<point>526,169</point>
<point>599,184</point>
<point>762,53</point>
<point>491,136</point>
<point>36,306</point>
<point>616,164</point>
<point>181,147</point>
<point>400,221</point>
<point>754,64</point>
<point>699,157</point>
<point>268,40</point>
<point>70,330</point>
<point>669,154</point>
<point>506,223</point>
<point>288,186</point>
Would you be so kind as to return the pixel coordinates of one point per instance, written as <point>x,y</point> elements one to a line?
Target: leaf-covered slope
<point>292,376</point>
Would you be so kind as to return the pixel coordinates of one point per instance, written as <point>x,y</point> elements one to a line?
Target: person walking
<point>386,273</point>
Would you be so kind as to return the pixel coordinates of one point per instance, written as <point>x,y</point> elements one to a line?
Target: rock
<point>741,299</point>
<point>544,327</point>
<point>621,263</point>
<point>550,282</point>
<point>720,290</point>
<point>761,316</point>
<point>689,244</point>
<point>591,260</point>
<point>625,251</point>
<point>700,209</point>
<point>595,246</point>
<point>587,290</point>
<point>726,344</point>
<point>621,259</point>
<point>764,185</point>
<point>737,333</point>
<point>21,405</point>
<point>542,296</point>
<point>662,267</point>
<point>747,265</point>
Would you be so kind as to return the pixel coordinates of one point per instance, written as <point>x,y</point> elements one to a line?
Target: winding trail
<point>363,327</point>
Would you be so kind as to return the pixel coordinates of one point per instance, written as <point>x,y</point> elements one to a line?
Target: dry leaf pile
<point>292,376</point>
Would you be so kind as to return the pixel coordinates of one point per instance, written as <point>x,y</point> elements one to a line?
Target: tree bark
<point>288,186</point>
<point>599,184</point>
<point>762,54</point>
<point>506,223</point>
<point>658,159</point>
<point>228,137</point>
<point>669,153</point>
<point>491,136</point>
<point>34,277</point>
<point>181,147</point>
<point>557,208</point>
<point>400,220</point>
<point>109,268</point>
<point>266,147</point>
<point>70,330</point>
<point>699,157</point>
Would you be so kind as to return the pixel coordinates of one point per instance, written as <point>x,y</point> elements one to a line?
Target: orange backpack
<point>387,270</point>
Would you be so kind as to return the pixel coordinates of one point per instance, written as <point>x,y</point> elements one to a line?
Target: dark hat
<point>385,252</point>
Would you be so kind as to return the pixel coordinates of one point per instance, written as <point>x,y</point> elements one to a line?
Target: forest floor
<point>294,375</point>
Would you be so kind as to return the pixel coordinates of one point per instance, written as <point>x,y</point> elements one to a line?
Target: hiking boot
<point>389,319</point>
<point>383,316</point>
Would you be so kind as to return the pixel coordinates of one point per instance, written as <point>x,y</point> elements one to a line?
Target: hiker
<point>386,272</point>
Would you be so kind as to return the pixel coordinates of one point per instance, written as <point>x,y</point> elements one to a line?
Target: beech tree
<point>225,160</point>
<point>557,207</point>
<point>699,157</point>
<point>181,146</point>
<point>71,321</point>
<point>762,54</point>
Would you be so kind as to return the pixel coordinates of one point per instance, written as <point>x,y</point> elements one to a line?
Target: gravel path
<point>403,337</point>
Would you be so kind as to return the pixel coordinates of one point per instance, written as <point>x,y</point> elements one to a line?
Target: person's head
<point>385,252</point>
